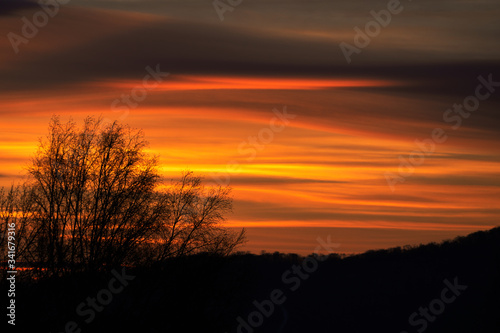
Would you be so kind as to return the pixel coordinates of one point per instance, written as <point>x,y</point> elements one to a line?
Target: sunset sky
<point>321,171</point>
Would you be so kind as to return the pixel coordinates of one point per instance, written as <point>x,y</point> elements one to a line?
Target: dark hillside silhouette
<point>107,247</point>
<point>372,292</point>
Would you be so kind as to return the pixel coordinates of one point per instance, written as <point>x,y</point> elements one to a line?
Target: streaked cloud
<point>324,171</point>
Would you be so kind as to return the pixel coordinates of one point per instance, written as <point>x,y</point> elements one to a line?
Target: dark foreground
<point>448,287</point>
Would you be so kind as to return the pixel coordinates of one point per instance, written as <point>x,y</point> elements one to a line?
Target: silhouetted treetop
<point>94,199</point>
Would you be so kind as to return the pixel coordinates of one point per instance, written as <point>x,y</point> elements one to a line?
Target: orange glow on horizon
<point>325,169</point>
<point>189,82</point>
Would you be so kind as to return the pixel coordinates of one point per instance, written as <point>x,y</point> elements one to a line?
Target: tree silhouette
<point>194,219</point>
<point>94,200</point>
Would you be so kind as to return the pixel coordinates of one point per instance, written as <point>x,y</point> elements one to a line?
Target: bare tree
<point>16,212</point>
<point>195,218</point>
<point>94,199</point>
<point>94,190</point>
